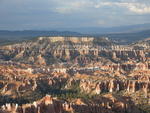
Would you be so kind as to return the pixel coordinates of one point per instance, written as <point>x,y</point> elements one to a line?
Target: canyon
<point>75,75</point>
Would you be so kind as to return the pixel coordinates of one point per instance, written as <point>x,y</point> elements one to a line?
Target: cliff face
<point>50,50</point>
<point>15,81</point>
<point>21,80</point>
<point>45,51</point>
<point>45,105</point>
<point>114,86</point>
<point>109,76</point>
<point>100,85</point>
<point>105,104</point>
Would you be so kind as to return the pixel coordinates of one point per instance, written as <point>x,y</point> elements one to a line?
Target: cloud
<point>24,14</point>
<point>136,7</point>
<point>69,6</point>
<point>139,8</point>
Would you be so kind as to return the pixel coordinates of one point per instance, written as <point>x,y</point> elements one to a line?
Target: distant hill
<point>127,37</point>
<point>17,36</point>
<point>108,30</point>
<point>7,37</point>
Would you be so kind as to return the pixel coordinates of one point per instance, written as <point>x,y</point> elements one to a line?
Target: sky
<point>51,14</point>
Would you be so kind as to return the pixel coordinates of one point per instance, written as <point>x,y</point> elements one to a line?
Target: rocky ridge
<point>72,68</point>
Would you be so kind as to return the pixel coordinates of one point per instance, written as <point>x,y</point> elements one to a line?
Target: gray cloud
<point>139,8</point>
<point>135,6</point>
<point>44,14</point>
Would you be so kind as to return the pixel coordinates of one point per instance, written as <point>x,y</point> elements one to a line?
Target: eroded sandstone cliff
<point>86,74</point>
